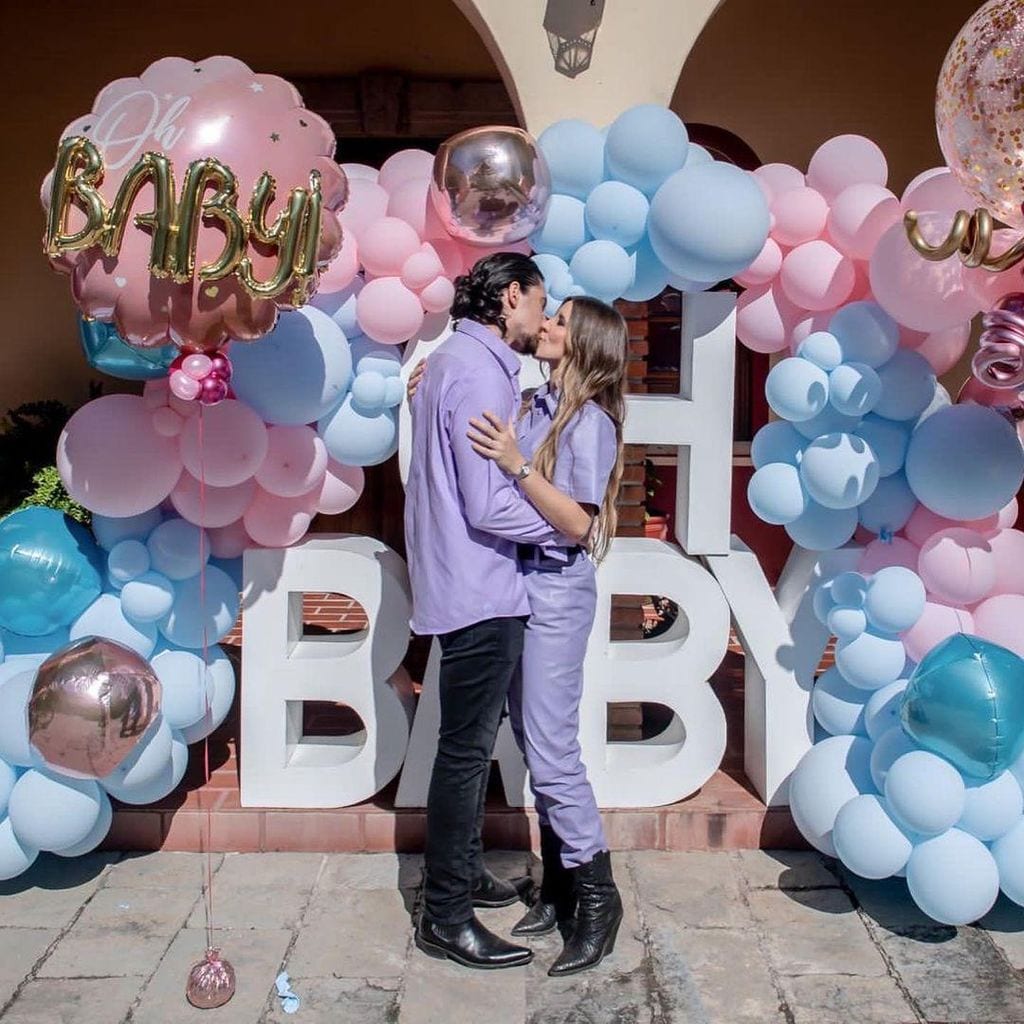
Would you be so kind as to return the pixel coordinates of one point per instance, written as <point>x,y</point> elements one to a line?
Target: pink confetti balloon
<point>224,446</point>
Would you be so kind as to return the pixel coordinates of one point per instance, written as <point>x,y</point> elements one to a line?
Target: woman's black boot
<point>556,902</point>
<point>598,916</point>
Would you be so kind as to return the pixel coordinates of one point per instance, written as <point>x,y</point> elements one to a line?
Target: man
<point>463,519</point>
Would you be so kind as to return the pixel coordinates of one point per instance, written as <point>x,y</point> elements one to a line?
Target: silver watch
<point>524,471</point>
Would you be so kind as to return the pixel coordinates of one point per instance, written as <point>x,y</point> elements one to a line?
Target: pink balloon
<point>924,524</point>
<point>776,179</point>
<point>844,161</point>
<point>1008,554</point>
<point>389,312</point>
<point>385,245</point>
<point>156,393</point>
<point>998,619</point>
<point>451,255</point>
<point>817,276</point>
<point>296,461</point>
<point>167,423</point>
<point>228,541</point>
<point>938,622</point>
<point>919,293</point>
<point>765,267</point>
<point>411,202</point>
<point>342,488</point>
<point>988,288</point>
<point>367,202</point>
<point>957,566</point>
<point>807,324</point>
<point>1008,514</point>
<point>943,349</point>
<point>197,365</point>
<point>183,386</point>
<point>224,446</point>
<point>404,166</point>
<point>438,296</point>
<point>800,215</point>
<point>342,270</point>
<point>880,554</point>
<point>860,215</point>
<point>421,268</point>
<point>936,189</point>
<point>113,461</point>
<point>211,506</point>
<point>764,318</point>
<point>278,522</point>
<point>360,172</point>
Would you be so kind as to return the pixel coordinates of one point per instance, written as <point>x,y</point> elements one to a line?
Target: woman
<point>566,453</point>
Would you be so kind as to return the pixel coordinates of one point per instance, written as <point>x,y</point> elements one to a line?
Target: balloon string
<point>208,888</point>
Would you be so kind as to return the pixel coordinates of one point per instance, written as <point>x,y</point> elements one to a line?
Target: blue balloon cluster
<point>849,402</point>
<point>137,583</point>
<point>640,207</point>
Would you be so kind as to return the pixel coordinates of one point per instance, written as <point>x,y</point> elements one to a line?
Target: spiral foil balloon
<point>999,361</point>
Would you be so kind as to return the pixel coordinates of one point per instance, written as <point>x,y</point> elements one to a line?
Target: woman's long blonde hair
<point>594,369</point>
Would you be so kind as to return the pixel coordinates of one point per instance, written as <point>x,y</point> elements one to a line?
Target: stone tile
<point>697,889</point>
<point>841,999</point>
<point>52,891</point>
<point>345,871</point>
<point>162,870</point>
<point>334,1000</point>
<point>815,931</point>
<point>784,869</point>
<point>256,957</point>
<point>889,904</point>
<point>601,996</point>
<point>355,935</point>
<point>20,950</point>
<point>1005,926</point>
<point>105,953</point>
<point>82,1001</point>
<point>138,911</point>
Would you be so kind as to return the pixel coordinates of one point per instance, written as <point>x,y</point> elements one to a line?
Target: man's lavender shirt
<point>463,515</point>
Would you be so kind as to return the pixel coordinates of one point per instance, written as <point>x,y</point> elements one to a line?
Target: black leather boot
<point>598,916</point>
<point>556,902</point>
<point>491,891</point>
<point>469,944</point>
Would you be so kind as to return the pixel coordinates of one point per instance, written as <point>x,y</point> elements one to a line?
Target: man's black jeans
<point>477,665</point>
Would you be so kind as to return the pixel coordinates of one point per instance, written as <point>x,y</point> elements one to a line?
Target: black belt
<point>536,553</point>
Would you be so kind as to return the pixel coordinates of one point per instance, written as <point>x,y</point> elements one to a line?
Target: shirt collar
<point>502,352</point>
<point>545,396</point>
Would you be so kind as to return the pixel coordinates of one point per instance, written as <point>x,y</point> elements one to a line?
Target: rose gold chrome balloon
<point>491,185</point>
<point>999,361</point>
<point>92,702</point>
<point>211,982</point>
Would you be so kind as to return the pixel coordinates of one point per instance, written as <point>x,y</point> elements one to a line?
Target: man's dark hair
<point>478,293</point>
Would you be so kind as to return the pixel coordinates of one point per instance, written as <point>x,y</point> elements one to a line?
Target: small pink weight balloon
<point>211,506</point>
<point>92,702</point>
<point>817,276</point>
<point>113,461</point>
<point>385,245</point>
<point>938,622</point>
<point>341,489</point>
<point>844,161</point>
<point>389,312</point>
<point>296,461</point>
<point>880,554</point>
<point>859,216</point>
<point>211,982</point>
<point>957,566</point>
<point>998,619</point>
<point>799,216</point>
<point>225,445</point>
<point>1008,553</point>
<point>275,522</point>
<point>764,269</point>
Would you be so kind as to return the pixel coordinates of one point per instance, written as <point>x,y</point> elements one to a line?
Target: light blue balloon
<point>822,349</point>
<point>16,682</point>
<point>602,269</point>
<point>368,391</point>
<point>698,155</point>
<point>908,386</point>
<point>369,355</point>
<point>796,389</point>
<point>888,440</point>
<point>888,749</point>
<point>8,777</point>
<point>15,856</point>
<point>925,793</point>
<point>895,599</point>
<point>823,529</point>
<point>564,229</point>
<point>991,808</point>
<point>340,306</point>
<point>685,284</point>
<point>50,811</point>
<point>870,661</point>
<point>234,567</point>
<point>867,839</point>
<point>178,549</point>
<point>1017,770</point>
<point>650,278</point>
<point>128,559</point>
<point>557,279</point>
<point>187,686</point>
<point>965,462</point>
<point>15,645</point>
<point>890,507</point>
<point>148,598</point>
<point>297,372</point>
<point>158,786</point>
<point>574,150</point>
<point>829,775</point>
<point>110,530</point>
<point>882,711</point>
<point>777,441</point>
<point>708,222</point>
<point>822,602</point>
<point>96,835</point>
<point>198,617</point>
<point>849,589</point>
<point>847,623</point>
<point>50,570</point>
<point>222,676</point>
<point>1008,853</point>
<point>839,471</point>
<point>646,144</point>
<point>775,493</point>
<point>394,392</point>
<point>147,759</point>
<point>104,618</point>
<point>953,878</point>
<point>617,212</point>
<point>354,438</point>
<point>838,706</point>
<point>854,389</point>
<point>940,400</point>
<point>828,421</point>
<point>866,333</point>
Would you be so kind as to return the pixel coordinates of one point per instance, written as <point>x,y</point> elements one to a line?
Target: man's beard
<point>525,345</point>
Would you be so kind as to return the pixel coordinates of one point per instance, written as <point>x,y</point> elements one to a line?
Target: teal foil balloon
<point>965,702</point>
<point>50,571</point>
<point>107,351</point>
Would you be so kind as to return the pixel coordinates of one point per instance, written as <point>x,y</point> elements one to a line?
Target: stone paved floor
<point>726,938</point>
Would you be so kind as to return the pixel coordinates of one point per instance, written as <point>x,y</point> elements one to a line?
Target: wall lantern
<point>571,26</point>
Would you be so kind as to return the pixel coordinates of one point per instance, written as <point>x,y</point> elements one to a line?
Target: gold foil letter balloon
<point>491,185</point>
<point>91,703</point>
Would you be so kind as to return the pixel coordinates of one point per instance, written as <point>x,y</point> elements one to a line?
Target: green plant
<point>49,491</point>
<point>651,484</point>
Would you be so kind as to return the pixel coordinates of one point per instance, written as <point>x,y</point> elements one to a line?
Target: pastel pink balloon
<point>438,296</point>
<point>1008,514</point>
<point>197,365</point>
<point>156,393</point>
<point>859,216</point>
<point>421,268</point>
<point>167,423</point>
<point>1008,553</point>
<point>800,215</point>
<point>988,288</point>
<point>404,166</point>
<point>880,554</point>
<point>775,179</point>
<point>184,387</point>
<point>389,312</point>
<point>806,324</point>
<point>367,202</point>
<point>919,293</point>
<point>844,161</point>
<point>211,506</point>
<point>957,566</point>
<point>816,276</point>
<point>228,541</point>
<point>936,189</point>
<point>999,619</point>
<point>452,258</point>
<point>385,245</point>
<point>360,172</point>
<point>277,522</point>
<point>861,282</point>
<point>342,270</point>
<point>113,461</point>
<point>943,349</point>
<point>224,446</point>
<point>765,267</point>
<point>295,463</point>
<point>938,622</point>
<point>411,202</point>
<point>341,489</point>
<point>764,318</point>
<point>924,524</point>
